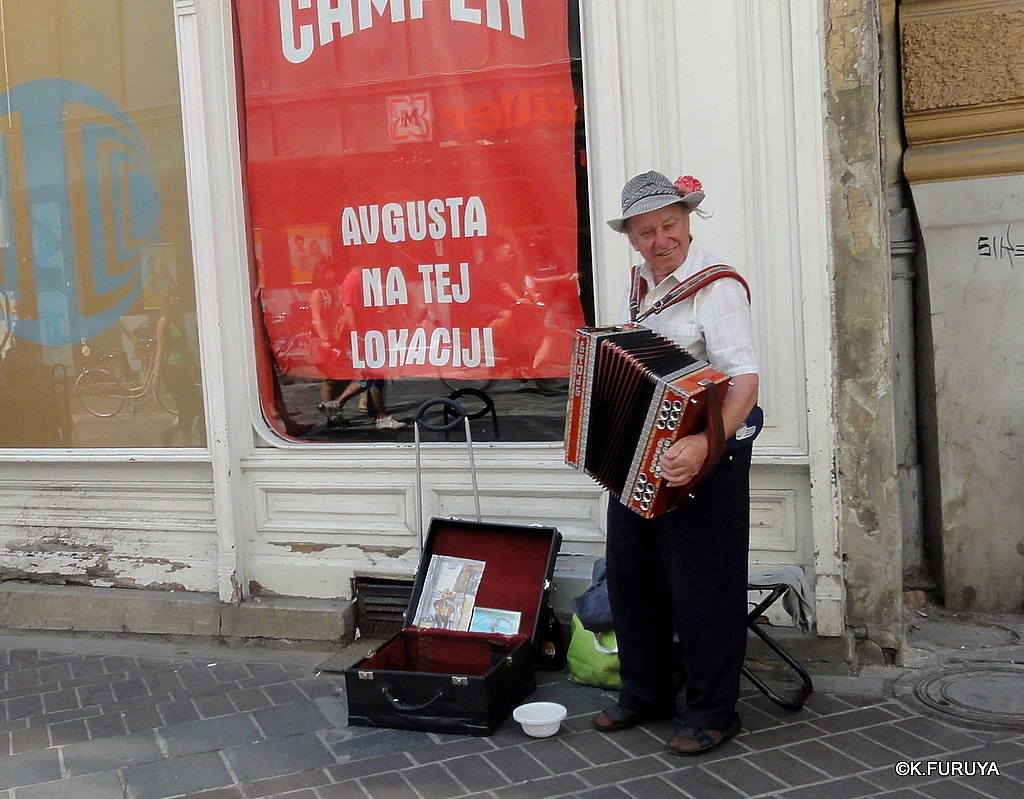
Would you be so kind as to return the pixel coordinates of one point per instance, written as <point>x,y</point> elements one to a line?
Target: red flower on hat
<point>687,184</point>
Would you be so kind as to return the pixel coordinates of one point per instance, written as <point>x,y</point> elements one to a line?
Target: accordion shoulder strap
<point>689,287</point>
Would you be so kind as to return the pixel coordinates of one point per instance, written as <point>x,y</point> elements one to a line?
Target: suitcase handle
<point>398,705</point>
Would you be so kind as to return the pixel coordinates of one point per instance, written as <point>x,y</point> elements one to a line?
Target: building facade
<point>779,108</point>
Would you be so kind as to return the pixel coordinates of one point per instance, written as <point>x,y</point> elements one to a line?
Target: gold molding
<point>980,157</point>
<point>963,88</point>
<point>936,126</point>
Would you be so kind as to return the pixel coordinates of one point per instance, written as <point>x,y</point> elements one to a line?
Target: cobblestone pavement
<point>138,720</point>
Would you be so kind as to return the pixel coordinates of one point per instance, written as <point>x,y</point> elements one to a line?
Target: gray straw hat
<point>649,192</point>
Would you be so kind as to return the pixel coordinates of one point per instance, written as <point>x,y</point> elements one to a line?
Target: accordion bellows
<point>632,394</point>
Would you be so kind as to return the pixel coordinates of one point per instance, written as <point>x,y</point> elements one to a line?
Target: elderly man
<point>685,571</point>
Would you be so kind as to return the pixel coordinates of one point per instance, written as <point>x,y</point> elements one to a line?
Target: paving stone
<point>597,748</point>
<point>351,789</point>
<point>69,732</point>
<point>283,693</point>
<point>180,712</point>
<point>697,783</point>
<point>249,699</point>
<point>85,667</point>
<point>910,746</point>
<point>996,787</point>
<point>516,765</point>
<point>651,788</point>
<point>845,788</point>
<point>315,688</point>
<point>909,794</point>
<point>362,743</point>
<point>129,689</point>
<point>542,788</point>
<point>275,758</point>
<point>24,707</point>
<point>106,726</point>
<point>162,682</point>
<point>59,700</point>
<point>54,673</point>
<point>779,736</point>
<point>209,735</point>
<point>475,773</point>
<point>646,739</point>
<point>93,786</point>
<point>946,790</point>
<point>388,786</point>
<point>786,768</point>
<point>229,793</point>
<point>107,754</point>
<point>22,679</point>
<point>66,715</point>
<point>629,769</point>
<point>744,777</point>
<point>95,694</point>
<point>31,739</point>
<point>283,720</point>
<point>433,781</point>
<point>855,719</point>
<point>287,785</point>
<point>374,765</point>
<point>142,718</point>
<point>860,748</point>
<point>29,768</point>
<point>177,777</point>
<point>465,745</point>
<point>213,706</point>
<point>946,737</point>
<point>556,756</point>
<point>229,672</point>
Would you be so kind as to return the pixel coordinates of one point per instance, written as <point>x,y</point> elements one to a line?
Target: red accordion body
<point>632,394</point>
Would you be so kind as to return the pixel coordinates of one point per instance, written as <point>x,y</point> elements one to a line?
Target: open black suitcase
<point>431,678</point>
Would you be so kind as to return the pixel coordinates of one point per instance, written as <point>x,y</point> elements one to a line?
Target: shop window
<point>416,180</point>
<point>96,287</point>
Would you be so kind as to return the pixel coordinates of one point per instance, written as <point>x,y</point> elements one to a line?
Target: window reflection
<point>418,200</point>
<point>94,235</point>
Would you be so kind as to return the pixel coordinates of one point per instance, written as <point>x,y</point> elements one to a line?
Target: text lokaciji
<point>308,23</point>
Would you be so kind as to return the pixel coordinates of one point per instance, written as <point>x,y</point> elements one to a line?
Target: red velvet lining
<point>516,558</point>
<point>443,652</point>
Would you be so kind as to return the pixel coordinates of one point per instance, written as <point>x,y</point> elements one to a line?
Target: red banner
<point>411,169</point>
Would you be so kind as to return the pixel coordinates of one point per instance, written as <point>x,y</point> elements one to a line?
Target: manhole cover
<point>957,634</point>
<point>991,694</point>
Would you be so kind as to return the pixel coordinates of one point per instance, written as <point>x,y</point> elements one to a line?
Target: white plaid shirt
<point>714,325</point>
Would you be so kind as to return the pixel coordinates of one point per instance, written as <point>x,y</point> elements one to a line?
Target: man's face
<point>662,237</point>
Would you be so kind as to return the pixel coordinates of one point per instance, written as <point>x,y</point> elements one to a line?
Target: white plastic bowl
<point>540,719</point>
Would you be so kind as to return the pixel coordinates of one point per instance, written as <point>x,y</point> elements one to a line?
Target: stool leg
<point>806,686</point>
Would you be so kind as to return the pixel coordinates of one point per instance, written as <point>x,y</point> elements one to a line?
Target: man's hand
<point>683,460</point>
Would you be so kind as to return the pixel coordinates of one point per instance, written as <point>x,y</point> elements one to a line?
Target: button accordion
<point>632,394</point>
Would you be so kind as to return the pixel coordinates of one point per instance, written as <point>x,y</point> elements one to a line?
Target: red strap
<point>689,287</point>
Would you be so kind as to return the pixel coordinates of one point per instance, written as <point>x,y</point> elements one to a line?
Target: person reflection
<point>177,367</point>
<point>335,313</point>
<point>554,285</point>
<point>327,310</point>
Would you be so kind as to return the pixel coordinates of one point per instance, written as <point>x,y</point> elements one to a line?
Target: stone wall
<point>870,525</point>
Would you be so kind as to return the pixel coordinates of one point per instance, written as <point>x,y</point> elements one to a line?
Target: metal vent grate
<point>381,606</point>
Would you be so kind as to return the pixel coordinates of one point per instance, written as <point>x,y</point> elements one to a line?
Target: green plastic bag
<point>593,658</point>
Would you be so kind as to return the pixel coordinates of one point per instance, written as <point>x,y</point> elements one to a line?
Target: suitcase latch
<point>365,675</point>
<point>460,680</point>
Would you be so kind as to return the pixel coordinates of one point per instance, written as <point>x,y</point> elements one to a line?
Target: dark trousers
<point>684,572</point>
